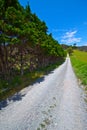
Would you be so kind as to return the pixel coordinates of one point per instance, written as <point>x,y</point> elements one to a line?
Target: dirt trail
<point>55,102</point>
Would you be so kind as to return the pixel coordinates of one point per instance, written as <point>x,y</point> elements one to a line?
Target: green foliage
<point>70,50</point>
<point>14,17</point>
<point>28,13</point>
<point>25,44</point>
<point>18,82</point>
<point>11,3</point>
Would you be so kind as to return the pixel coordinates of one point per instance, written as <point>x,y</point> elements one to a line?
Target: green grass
<point>79,63</point>
<point>80,55</point>
<point>9,88</point>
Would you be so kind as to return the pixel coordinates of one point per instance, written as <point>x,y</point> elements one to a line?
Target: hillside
<point>82,48</point>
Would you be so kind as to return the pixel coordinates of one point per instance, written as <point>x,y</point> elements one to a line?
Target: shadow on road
<point>38,80</point>
<point>17,97</point>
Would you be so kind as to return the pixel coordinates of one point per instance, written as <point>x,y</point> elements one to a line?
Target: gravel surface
<point>54,102</point>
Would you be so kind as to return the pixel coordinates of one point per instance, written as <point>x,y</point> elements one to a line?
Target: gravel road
<point>54,102</point>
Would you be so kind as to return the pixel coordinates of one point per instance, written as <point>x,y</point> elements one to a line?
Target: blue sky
<point>65,19</point>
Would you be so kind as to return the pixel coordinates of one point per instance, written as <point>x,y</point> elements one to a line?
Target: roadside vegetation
<point>79,62</point>
<point>19,82</point>
<point>25,46</point>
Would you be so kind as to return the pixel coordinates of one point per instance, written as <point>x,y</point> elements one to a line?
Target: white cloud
<point>69,34</point>
<point>71,40</point>
<point>69,37</point>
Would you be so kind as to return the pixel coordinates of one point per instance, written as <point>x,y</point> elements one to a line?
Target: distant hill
<point>82,48</point>
<point>64,46</point>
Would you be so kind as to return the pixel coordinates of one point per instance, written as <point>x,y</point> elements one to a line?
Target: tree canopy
<point>24,40</point>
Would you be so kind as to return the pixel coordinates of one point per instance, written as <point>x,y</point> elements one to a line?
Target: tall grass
<point>80,55</point>
<point>79,63</point>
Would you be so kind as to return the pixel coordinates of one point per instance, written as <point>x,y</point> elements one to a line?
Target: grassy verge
<point>7,89</point>
<point>79,63</point>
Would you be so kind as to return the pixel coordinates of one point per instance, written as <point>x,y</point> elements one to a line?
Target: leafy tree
<point>74,46</point>
<point>11,3</point>
<point>24,40</point>
<point>28,13</point>
<point>70,50</point>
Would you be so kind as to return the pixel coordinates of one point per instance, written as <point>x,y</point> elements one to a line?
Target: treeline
<point>25,44</point>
